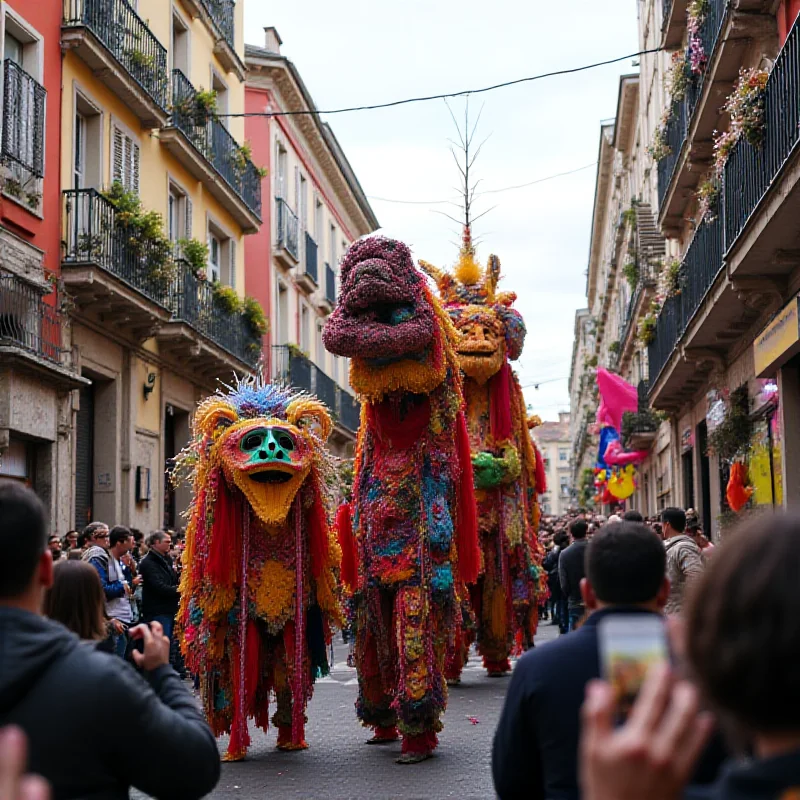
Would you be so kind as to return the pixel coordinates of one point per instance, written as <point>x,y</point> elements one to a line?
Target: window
<point>87,145</point>
<point>221,88</point>
<point>124,159</point>
<point>80,151</point>
<point>320,348</point>
<point>305,320</point>
<point>180,44</point>
<point>12,48</point>
<point>332,252</point>
<point>319,219</point>
<point>563,455</point>
<point>179,214</point>
<point>214,258</point>
<point>283,314</point>
<point>281,163</point>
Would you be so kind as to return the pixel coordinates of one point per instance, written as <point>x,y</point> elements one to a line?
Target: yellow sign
<point>779,341</point>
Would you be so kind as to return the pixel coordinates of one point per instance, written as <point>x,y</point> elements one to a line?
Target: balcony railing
<point>221,12</point>
<point>28,321</point>
<point>293,368</point>
<point>330,285</point>
<point>683,110</point>
<point>193,301</point>
<point>94,236</point>
<point>23,120</point>
<point>311,259</point>
<point>215,143</point>
<point>123,32</point>
<point>701,264</point>
<point>286,227</point>
<point>749,171</point>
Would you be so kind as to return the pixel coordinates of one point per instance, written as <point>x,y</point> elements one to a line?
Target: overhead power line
<point>447,95</point>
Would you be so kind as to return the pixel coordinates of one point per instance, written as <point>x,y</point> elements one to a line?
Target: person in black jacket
<point>160,594</point>
<point>557,600</point>
<point>571,571</point>
<point>535,751</point>
<point>69,733</point>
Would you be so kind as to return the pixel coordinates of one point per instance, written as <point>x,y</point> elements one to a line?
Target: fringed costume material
<point>506,597</point>
<point>413,516</point>
<point>258,590</point>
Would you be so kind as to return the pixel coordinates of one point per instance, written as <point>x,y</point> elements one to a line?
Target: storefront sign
<point>778,342</point>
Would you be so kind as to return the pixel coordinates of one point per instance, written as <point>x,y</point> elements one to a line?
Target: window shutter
<point>117,157</point>
<point>187,231</point>
<point>232,263</point>
<point>134,149</point>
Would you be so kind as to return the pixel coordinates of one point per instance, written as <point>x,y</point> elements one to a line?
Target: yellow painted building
<point>146,91</point>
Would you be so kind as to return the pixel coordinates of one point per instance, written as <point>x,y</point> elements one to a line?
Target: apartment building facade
<point>158,192</point>
<point>716,158</point>
<point>38,372</point>
<point>313,210</point>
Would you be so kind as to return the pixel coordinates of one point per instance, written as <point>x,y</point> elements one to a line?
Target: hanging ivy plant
<point>730,440</point>
<point>226,298</point>
<point>255,317</point>
<point>630,269</point>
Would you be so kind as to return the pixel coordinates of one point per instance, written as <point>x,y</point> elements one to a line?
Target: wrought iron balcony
<point>194,302</point>
<point>23,123</point>
<point>330,285</point>
<point>293,368</point>
<point>212,146</point>
<point>28,321</point>
<point>700,266</point>
<point>98,29</point>
<point>750,171</point>
<point>683,110</point>
<point>109,269</point>
<point>286,229</point>
<point>221,13</point>
<point>308,278</point>
<point>93,236</point>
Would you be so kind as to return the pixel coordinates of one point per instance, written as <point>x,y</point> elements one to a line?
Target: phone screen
<point>630,644</point>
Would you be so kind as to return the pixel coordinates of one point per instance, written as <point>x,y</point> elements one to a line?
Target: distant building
<point>554,442</point>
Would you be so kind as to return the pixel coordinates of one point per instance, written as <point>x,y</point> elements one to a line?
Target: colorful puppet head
<point>490,329</point>
<point>388,322</point>
<point>266,440</point>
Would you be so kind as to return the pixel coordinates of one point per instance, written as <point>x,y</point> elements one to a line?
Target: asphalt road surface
<point>338,765</point>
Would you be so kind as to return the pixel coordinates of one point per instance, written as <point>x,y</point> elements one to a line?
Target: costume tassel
<point>541,477</point>
<point>240,738</point>
<point>318,535</point>
<point>469,554</point>
<point>224,534</point>
<point>298,679</point>
<point>500,404</point>
<point>252,664</point>
<point>344,532</point>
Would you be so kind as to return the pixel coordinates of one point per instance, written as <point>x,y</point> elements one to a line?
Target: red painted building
<point>313,208</point>
<point>36,369</point>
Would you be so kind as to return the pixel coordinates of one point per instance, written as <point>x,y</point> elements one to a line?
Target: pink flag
<point>616,397</point>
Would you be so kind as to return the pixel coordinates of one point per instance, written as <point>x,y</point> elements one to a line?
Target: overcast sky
<point>353,52</point>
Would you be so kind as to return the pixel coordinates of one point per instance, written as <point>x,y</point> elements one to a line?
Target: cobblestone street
<point>339,765</point>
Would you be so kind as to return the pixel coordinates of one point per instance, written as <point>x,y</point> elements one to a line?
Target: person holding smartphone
<point>536,743</point>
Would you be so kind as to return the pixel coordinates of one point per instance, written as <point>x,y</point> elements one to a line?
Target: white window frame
<point>225,235</point>
<point>177,12</point>
<point>86,97</point>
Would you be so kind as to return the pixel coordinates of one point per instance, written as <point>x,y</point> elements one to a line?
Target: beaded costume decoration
<point>258,590</point>
<point>506,597</point>
<point>412,539</point>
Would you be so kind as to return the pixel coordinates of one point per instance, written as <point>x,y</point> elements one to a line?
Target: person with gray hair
<point>159,582</point>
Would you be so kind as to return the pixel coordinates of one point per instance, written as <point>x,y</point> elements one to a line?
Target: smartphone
<point>630,644</point>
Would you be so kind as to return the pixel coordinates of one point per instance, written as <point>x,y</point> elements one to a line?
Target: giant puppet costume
<point>412,539</point>
<point>506,597</point>
<point>258,591</point>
